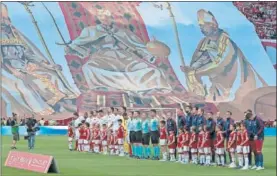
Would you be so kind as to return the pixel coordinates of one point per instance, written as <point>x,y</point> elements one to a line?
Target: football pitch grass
<point>87,164</point>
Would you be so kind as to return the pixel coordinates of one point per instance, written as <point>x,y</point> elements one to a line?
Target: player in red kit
<point>245,146</point>
<point>206,145</point>
<point>239,147</point>
<point>201,154</point>
<point>219,146</point>
<point>180,145</point>
<point>86,140</point>
<point>81,138</point>
<point>231,145</point>
<point>96,138</point>
<point>120,137</point>
<point>70,134</point>
<point>163,140</point>
<point>111,141</point>
<point>186,143</point>
<point>171,145</point>
<point>104,139</point>
<point>193,145</point>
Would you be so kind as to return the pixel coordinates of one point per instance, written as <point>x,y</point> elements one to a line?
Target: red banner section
<point>31,162</point>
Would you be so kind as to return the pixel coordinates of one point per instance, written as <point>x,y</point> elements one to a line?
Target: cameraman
<point>32,127</point>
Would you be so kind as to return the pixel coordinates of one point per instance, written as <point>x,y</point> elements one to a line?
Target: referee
<point>154,134</point>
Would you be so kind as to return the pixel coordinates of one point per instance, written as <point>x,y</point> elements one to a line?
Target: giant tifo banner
<point>61,57</point>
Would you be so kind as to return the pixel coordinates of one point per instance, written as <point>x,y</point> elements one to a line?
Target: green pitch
<point>86,164</point>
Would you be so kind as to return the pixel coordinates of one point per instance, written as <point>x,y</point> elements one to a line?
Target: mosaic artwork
<point>61,57</point>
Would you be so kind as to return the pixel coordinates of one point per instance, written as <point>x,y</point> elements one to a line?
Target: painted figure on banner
<point>221,60</point>
<point>118,59</point>
<point>29,82</point>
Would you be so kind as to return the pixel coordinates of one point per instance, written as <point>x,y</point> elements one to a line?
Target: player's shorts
<point>186,148</point>
<point>201,150</point>
<point>120,141</point>
<point>104,143</point>
<point>180,149</point>
<point>163,142</point>
<point>80,141</point>
<point>70,139</point>
<point>239,149</point>
<point>15,136</point>
<point>111,146</point>
<point>232,150</point>
<point>138,137</point>
<point>258,145</point>
<point>85,142</point>
<point>132,136</point>
<point>245,149</point>
<point>171,151</point>
<point>219,151</point>
<point>145,138</point>
<point>193,150</point>
<point>207,150</point>
<point>96,142</point>
<point>154,137</point>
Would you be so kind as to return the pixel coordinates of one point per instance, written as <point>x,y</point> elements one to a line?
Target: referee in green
<point>15,131</point>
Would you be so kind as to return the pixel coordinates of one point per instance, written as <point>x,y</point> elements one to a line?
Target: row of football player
<point>199,145</point>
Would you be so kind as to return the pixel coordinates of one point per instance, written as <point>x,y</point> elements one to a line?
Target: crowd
<point>22,122</point>
<point>262,15</point>
<point>201,138</point>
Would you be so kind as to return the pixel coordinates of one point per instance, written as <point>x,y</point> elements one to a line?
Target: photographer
<point>32,128</point>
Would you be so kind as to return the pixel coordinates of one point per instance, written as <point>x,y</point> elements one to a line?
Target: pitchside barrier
<point>62,130</point>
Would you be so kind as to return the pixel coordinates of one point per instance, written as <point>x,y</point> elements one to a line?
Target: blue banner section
<point>44,130</point>
<point>62,130</point>
<point>270,131</point>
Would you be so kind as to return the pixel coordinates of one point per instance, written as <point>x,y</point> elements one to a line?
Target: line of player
<point>108,132</point>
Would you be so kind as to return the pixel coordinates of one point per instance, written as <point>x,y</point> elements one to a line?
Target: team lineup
<point>196,137</point>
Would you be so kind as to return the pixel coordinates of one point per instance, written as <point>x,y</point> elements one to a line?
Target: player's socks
<point>172,157</point>
<point>165,156</point>
<point>222,160</point>
<point>261,160</point>
<point>144,152</point>
<point>208,159</point>
<point>183,157</point>
<point>195,158</point>
<point>233,158</point>
<point>256,158</point>
<point>217,160</point>
<point>148,151</point>
<point>203,158</point>
<point>140,151</point>
<point>133,149</point>
<point>186,158</point>
<point>105,150</point>
<point>70,145</point>
<point>155,151</point>
<point>137,150</point>
<point>158,151</point>
<point>240,158</point>
<point>246,161</point>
